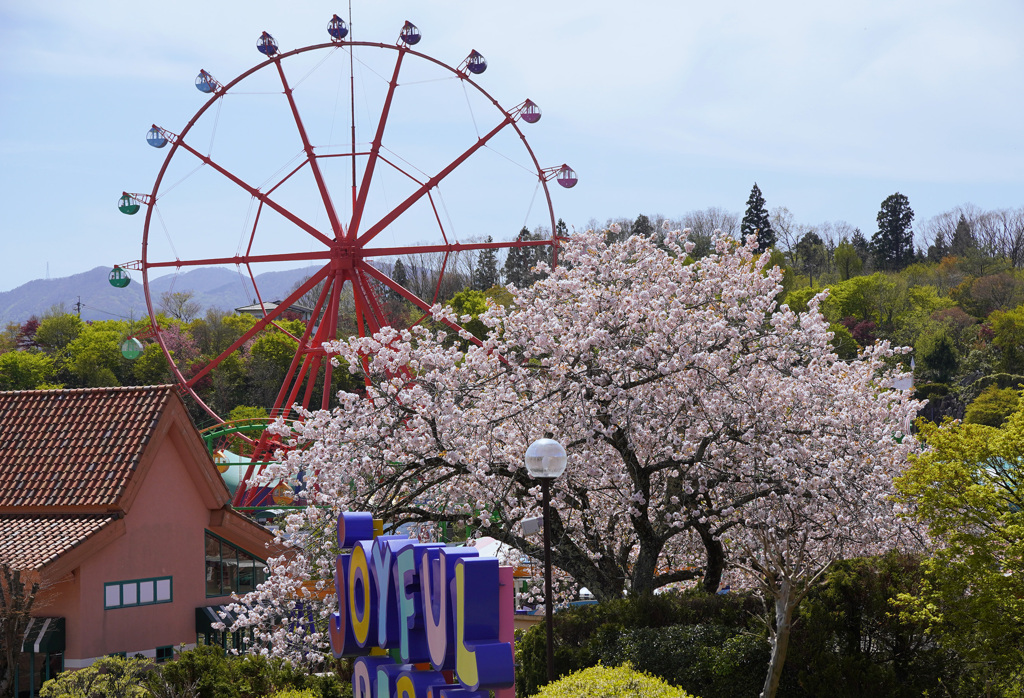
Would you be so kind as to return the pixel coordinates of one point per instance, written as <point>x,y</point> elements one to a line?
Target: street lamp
<point>545,460</point>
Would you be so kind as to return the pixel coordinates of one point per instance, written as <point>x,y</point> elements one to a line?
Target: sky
<point>661,107</point>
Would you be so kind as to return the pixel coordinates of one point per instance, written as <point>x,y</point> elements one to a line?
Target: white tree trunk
<point>784,604</point>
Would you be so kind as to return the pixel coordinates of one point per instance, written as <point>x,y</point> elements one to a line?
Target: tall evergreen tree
<point>561,229</point>
<point>938,249</point>
<point>642,227</point>
<point>861,245</point>
<point>893,245</point>
<point>963,240</point>
<point>519,262</point>
<point>400,277</point>
<point>486,273</point>
<point>756,221</point>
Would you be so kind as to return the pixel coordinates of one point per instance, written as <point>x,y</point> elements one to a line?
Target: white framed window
<point>138,592</point>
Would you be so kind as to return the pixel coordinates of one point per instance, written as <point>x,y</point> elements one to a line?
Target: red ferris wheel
<point>270,173</point>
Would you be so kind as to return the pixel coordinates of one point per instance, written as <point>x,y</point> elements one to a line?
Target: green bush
<point>588,634</point>
<point>849,640</point>
<point>608,682</point>
<point>203,672</point>
<point>714,661</point>
<point>108,677</point>
<point>205,668</point>
<point>216,675</point>
<point>931,391</point>
<point>992,406</point>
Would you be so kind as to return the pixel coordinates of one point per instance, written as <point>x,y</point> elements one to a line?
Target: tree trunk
<point>716,559</point>
<point>784,603</point>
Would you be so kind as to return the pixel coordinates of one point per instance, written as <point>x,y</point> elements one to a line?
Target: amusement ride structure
<point>344,208</point>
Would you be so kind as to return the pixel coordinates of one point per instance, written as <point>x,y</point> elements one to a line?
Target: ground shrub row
<point>203,672</point>
<point>848,640</point>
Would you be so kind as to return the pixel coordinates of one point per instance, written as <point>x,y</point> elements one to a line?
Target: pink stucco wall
<point>164,532</point>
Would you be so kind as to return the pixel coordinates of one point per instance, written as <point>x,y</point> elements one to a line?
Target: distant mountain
<point>214,287</point>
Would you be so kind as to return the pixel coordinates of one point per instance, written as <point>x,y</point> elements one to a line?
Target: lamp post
<point>545,460</point>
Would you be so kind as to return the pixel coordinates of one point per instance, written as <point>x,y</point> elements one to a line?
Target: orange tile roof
<point>74,448</point>
<point>30,542</point>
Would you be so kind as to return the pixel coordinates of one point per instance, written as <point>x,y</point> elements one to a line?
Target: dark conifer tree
<point>519,262</point>
<point>938,249</point>
<point>561,229</point>
<point>892,247</point>
<point>400,277</point>
<point>756,221</point>
<point>642,227</point>
<point>486,273</point>
<point>861,245</point>
<point>963,240</point>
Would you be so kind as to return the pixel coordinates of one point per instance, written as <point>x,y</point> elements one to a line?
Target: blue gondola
<point>410,34</point>
<point>155,138</point>
<point>266,45</point>
<point>205,82</point>
<point>476,63</point>
<point>337,28</point>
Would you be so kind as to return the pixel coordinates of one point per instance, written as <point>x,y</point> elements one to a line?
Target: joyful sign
<point>441,606</point>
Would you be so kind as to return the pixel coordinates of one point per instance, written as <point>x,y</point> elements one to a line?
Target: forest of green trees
<point>952,288</point>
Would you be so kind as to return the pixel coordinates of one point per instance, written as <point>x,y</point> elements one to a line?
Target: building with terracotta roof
<point>109,498</point>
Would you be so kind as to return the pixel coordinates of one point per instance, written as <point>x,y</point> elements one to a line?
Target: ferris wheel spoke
<point>387,220</point>
<point>367,304</point>
<point>452,247</point>
<point>325,194</point>
<point>371,163</point>
<point>311,358</point>
<point>254,192</point>
<point>242,259</point>
<point>261,323</point>
<point>407,294</point>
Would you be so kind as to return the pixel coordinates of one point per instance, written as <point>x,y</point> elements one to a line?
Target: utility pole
<point>78,307</point>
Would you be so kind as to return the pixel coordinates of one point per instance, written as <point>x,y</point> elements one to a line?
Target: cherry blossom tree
<point>833,501</point>
<point>689,403</point>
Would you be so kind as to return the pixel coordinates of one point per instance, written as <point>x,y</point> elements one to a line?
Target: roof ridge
<point>35,514</point>
<point>161,387</point>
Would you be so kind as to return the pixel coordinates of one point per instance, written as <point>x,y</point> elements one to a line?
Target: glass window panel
<point>213,566</point>
<point>163,589</point>
<point>245,572</point>
<point>112,595</point>
<point>212,548</point>
<point>129,593</point>
<point>146,594</point>
<point>230,572</point>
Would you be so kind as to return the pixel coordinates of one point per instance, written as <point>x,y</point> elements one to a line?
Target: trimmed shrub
<point>607,682</point>
<point>931,391</point>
